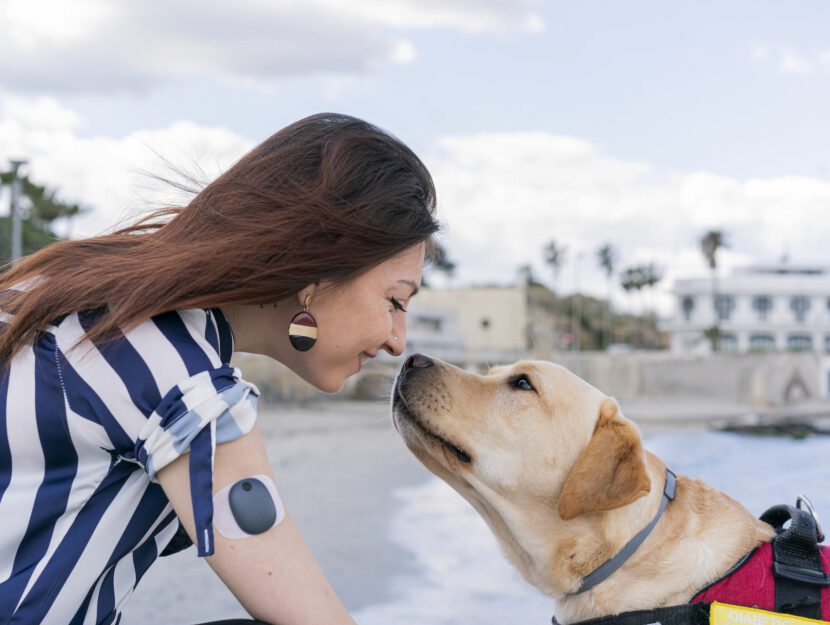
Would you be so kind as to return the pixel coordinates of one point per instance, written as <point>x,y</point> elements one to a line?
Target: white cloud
<point>29,23</point>
<point>93,45</point>
<point>503,196</point>
<point>40,114</point>
<point>109,175</point>
<point>791,63</point>
<point>760,52</point>
<point>403,52</point>
<point>464,15</point>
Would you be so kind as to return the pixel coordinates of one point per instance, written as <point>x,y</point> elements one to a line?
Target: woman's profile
<point>122,421</point>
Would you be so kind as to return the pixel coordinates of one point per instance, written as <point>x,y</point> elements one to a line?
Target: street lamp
<point>14,210</point>
<point>576,308</point>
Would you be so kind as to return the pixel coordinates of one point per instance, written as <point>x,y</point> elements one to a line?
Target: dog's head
<point>531,446</point>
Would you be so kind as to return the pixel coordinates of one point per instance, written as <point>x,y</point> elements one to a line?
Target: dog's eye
<point>522,383</point>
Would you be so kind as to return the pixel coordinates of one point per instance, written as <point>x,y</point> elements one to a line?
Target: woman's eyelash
<point>397,305</point>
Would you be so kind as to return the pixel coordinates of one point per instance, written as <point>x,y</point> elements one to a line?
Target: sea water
<point>462,577</point>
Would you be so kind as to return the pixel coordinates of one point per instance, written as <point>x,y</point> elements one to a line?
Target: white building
<point>763,308</point>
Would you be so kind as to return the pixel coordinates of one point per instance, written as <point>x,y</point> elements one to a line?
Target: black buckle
<point>798,574</point>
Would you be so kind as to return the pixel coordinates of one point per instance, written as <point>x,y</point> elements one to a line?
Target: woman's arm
<point>273,575</point>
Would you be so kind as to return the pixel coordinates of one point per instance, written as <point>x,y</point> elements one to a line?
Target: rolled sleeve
<point>209,408</point>
<point>218,396</point>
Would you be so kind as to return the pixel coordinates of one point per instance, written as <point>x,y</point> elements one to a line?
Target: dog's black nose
<point>418,361</point>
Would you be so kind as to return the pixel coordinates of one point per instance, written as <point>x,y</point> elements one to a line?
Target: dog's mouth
<point>402,410</point>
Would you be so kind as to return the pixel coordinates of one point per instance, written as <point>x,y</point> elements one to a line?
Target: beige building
<point>477,326</point>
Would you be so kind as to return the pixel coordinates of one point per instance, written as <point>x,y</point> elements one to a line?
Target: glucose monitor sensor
<point>248,507</point>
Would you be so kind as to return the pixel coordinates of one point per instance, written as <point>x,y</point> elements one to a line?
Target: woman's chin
<point>330,382</point>
<point>328,385</point>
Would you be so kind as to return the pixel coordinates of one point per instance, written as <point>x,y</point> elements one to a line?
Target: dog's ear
<point>611,472</point>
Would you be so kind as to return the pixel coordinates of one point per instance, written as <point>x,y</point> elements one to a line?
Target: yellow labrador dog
<point>563,481</point>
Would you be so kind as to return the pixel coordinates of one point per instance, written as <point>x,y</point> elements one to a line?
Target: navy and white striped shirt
<point>83,432</point>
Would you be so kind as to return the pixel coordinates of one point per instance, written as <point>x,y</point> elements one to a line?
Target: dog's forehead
<point>541,368</point>
<point>552,381</point>
<point>498,369</point>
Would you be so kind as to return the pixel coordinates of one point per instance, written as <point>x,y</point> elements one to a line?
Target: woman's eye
<point>522,383</point>
<point>397,305</point>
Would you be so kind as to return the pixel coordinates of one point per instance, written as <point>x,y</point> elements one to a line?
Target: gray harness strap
<point>606,569</point>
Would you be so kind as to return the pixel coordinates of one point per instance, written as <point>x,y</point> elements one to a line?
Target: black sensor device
<point>252,506</point>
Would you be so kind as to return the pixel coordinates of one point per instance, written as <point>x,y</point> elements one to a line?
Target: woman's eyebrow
<point>414,286</point>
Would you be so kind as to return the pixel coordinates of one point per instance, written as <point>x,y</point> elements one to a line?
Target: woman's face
<point>355,321</point>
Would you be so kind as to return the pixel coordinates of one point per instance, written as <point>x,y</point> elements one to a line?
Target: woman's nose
<point>397,338</point>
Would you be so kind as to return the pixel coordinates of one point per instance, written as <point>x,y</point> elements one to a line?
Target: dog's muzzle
<point>412,366</point>
<point>417,361</point>
<point>415,365</point>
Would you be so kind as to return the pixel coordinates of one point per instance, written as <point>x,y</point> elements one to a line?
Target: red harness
<point>787,576</point>
<point>752,584</point>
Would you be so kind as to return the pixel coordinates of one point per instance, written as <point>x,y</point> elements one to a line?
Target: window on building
<point>724,305</point>
<point>762,304</point>
<point>762,343</point>
<point>728,343</point>
<point>828,303</point>
<point>827,344</point>
<point>800,304</point>
<point>800,342</point>
<point>428,324</point>
<point>687,305</point>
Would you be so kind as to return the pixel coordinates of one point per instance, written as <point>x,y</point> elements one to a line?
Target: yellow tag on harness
<point>725,614</point>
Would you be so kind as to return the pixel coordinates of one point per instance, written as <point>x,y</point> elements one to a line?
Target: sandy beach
<point>402,548</point>
<point>336,467</point>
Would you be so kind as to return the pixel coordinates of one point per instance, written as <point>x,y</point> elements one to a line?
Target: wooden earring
<point>302,331</point>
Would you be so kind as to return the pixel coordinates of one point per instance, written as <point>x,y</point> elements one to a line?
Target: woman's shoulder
<point>201,337</point>
<point>162,350</point>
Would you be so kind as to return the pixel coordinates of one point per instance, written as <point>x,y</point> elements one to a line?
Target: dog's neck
<point>692,551</point>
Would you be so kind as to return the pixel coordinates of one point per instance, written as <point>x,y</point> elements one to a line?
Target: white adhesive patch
<point>223,519</point>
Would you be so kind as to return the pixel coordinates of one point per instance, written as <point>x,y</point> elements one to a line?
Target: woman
<point>120,416</point>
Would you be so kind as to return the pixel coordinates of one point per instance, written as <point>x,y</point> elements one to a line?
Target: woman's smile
<point>362,357</point>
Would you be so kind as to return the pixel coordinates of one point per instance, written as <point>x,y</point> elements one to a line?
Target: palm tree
<point>555,255</point>
<point>607,257</point>
<point>637,278</point>
<point>440,259</point>
<point>526,275</point>
<point>437,261</point>
<point>710,243</point>
<point>652,275</point>
<point>40,207</point>
<point>633,279</point>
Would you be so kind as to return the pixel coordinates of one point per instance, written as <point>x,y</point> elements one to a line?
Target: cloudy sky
<point>639,123</point>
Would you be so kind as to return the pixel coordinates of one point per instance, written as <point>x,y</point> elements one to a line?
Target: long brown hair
<point>325,198</point>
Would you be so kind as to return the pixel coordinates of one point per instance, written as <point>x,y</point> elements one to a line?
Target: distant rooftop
<point>774,278</point>
<point>785,268</point>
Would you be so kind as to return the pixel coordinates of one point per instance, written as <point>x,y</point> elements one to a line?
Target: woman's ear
<point>611,472</point>
<point>312,290</point>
